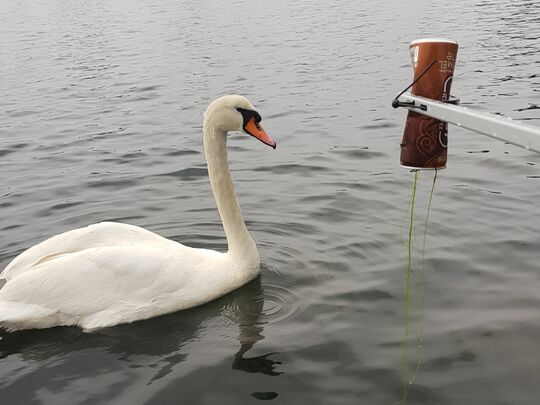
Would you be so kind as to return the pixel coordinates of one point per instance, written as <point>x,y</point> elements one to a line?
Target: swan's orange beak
<point>254,129</point>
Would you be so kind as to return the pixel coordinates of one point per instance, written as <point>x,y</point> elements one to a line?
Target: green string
<point>422,287</point>
<point>408,292</point>
<point>404,224</point>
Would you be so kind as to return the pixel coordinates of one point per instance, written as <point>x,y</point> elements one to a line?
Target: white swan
<point>112,273</point>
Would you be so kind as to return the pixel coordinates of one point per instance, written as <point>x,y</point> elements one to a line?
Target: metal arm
<point>501,128</point>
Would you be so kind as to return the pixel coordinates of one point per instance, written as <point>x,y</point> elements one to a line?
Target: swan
<point>112,273</point>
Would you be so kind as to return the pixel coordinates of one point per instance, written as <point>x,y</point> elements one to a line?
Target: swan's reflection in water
<point>152,361</point>
<point>259,364</point>
<point>247,311</point>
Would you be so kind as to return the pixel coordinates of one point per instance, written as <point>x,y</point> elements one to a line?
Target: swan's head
<point>236,113</point>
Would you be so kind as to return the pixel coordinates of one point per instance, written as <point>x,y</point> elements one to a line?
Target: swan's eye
<point>257,117</point>
<point>249,114</point>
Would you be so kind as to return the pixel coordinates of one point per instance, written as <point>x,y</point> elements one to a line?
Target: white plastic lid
<point>423,168</point>
<point>424,40</point>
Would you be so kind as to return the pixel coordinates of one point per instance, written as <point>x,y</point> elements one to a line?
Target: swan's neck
<point>241,244</point>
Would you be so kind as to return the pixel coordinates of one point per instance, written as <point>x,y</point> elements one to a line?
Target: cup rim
<point>426,40</point>
<point>422,168</point>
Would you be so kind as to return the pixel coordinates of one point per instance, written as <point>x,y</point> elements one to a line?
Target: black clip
<point>408,104</point>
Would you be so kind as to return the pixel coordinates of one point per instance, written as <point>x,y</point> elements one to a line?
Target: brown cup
<point>425,139</point>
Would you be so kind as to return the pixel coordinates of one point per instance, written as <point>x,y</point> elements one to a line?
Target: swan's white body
<point>112,273</point>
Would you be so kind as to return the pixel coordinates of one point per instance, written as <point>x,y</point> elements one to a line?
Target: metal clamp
<point>411,104</point>
<point>408,104</point>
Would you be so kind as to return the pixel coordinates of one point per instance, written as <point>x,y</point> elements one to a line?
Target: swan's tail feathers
<point>17,315</point>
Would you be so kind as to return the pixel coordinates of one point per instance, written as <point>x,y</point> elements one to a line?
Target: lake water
<point>101,108</point>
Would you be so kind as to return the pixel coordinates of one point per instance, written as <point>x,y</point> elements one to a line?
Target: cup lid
<point>424,40</point>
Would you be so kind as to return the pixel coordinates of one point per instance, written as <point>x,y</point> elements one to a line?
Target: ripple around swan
<point>276,301</point>
<point>281,302</point>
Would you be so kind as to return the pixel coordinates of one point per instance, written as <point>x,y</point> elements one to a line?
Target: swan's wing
<point>101,287</point>
<point>104,234</point>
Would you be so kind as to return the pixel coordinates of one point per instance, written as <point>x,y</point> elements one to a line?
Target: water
<point>100,119</point>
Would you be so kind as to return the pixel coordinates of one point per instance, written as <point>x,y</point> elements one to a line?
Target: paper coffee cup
<point>425,139</point>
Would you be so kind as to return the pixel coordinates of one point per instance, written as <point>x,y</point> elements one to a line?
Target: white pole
<point>501,128</point>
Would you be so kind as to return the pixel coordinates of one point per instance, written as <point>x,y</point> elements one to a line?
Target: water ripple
<point>279,301</point>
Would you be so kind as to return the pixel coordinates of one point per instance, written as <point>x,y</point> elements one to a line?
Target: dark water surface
<point>100,119</point>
